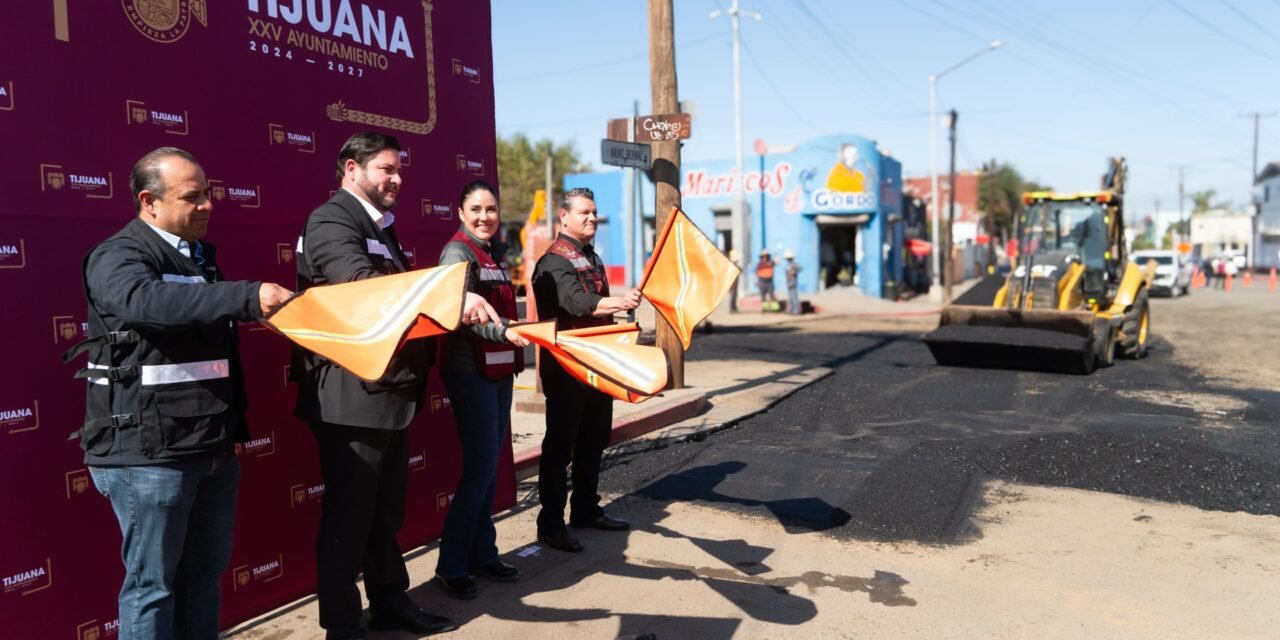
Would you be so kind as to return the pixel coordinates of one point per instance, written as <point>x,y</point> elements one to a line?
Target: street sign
<point>656,128</point>
<point>626,154</point>
<point>617,129</point>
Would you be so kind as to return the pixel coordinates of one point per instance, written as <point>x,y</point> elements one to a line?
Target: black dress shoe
<point>461,587</point>
<point>413,620</point>
<point>603,523</point>
<point>498,571</point>
<point>561,540</point>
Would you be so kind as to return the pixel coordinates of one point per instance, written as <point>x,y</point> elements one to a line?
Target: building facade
<point>835,202</point>
<point>1267,239</point>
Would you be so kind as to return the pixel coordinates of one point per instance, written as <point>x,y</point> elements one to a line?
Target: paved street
<point>892,447</point>
<point>897,499</point>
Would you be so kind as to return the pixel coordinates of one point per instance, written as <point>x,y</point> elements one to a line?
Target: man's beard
<point>383,202</point>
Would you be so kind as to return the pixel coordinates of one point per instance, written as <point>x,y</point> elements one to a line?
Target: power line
<point>875,62</point>
<point>1225,36</point>
<point>1090,64</point>
<point>1250,22</point>
<point>604,63</point>
<point>781,97</point>
<point>836,42</point>
<point>779,22</point>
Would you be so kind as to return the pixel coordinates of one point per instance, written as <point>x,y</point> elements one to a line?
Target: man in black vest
<point>570,286</point>
<point>166,399</point>
<point>360,426</point>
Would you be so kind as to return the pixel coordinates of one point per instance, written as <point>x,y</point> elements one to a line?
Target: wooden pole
<point>666,155</point>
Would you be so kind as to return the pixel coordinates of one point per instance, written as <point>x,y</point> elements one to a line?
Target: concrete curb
<point>661,413</point>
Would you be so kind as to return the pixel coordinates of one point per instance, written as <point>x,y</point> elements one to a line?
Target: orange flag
<point>606,357</point>
<point>687,276</point>
<point>360,324</point>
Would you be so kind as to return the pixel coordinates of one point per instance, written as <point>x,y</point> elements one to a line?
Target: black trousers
<point>366,474</point>
<point>579,425</point>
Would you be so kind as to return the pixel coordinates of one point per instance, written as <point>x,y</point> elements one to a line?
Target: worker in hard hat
<point>793,283</point>
<point>764,277</point>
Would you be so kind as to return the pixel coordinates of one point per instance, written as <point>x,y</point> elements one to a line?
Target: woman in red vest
<point>479,363</point>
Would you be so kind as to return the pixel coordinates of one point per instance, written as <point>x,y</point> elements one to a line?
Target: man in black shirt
<point>166,400</point>
<point>570,286</point>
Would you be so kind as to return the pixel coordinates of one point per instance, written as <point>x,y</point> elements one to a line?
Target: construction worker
<point>764,277</point>
<point>793,283</point>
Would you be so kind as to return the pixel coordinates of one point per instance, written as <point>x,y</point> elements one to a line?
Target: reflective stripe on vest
<point>500,357</point>
<point>98,380</point>
<point>185,372</point>
<point>177,277</point>
<point>493,275</point>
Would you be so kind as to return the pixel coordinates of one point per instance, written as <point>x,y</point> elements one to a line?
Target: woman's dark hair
<point>472,187</point>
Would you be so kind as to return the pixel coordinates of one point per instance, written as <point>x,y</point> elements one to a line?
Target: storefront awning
<point>833,221</point>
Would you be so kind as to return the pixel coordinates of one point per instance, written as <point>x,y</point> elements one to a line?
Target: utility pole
<point>741,224</point>
<point>1184,223</point>
<point>666,156</point>
<point>1257,126</point>
<point>1253,178</point>
<point>951,212</point>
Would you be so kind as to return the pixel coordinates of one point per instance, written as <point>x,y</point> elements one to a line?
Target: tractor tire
<point>1134,329</point>
<point>1106,349</point>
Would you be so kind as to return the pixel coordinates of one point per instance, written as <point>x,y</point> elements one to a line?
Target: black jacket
<point>155,319</point>
<point>341,243</point>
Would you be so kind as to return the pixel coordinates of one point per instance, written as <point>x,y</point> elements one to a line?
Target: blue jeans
<point>793,301</point>
<point>176,519</point>
<point>482,411</point>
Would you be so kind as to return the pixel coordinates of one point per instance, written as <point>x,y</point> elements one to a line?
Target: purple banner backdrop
<point>263,92</point>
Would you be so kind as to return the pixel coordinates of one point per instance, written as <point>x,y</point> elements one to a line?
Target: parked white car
<point>1173,271</point>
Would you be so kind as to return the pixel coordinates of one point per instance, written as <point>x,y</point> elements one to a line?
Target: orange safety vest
<point>764,269</point>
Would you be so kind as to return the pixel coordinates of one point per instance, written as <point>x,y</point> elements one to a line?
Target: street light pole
<point>741,227</point>
<point>934,199</point>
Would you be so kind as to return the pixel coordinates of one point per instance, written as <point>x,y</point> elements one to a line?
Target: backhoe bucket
<point>1037,339</point>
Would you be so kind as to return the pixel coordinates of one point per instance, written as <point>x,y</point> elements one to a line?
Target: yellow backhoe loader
<point>1072,302</point>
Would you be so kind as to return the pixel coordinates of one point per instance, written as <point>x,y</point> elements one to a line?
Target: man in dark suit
<point>360,426</point>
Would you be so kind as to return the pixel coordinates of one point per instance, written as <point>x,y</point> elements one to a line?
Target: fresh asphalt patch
<point>892,447</point>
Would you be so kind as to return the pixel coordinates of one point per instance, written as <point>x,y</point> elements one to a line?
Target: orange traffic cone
<point>1248,277</point>
<point>1228,287</point>
<point>1272,287</point>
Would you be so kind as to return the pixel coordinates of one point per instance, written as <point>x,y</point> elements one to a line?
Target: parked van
<point>1173,271</point>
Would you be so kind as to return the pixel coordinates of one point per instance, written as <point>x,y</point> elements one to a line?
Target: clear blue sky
<point>1162,82</point>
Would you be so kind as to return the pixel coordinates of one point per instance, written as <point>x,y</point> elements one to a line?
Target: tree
<point>1202,201</point>
<point>1000,192</point>
<point>522,170</point>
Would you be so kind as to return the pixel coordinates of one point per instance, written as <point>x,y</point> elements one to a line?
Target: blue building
<point>835,202</point>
